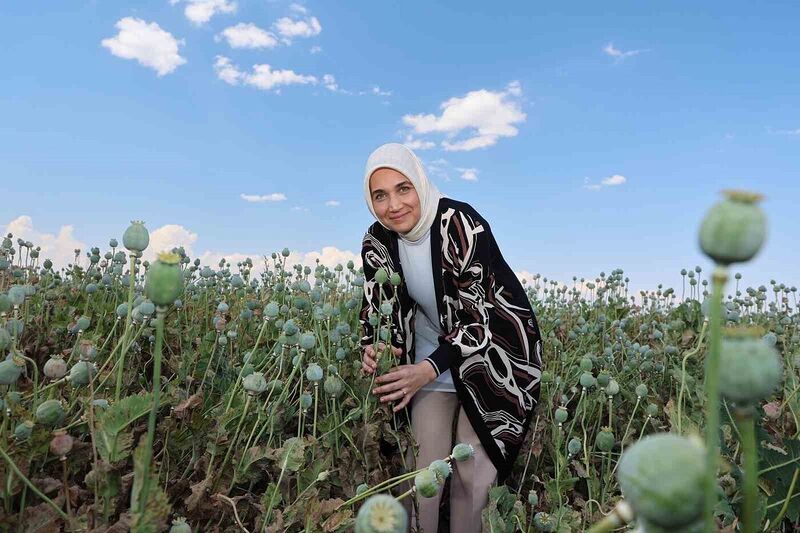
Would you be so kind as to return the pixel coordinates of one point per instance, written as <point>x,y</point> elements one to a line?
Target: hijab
<point>400,158</point>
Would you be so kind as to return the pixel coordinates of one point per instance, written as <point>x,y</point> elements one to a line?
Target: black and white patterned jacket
<point>492,346</point>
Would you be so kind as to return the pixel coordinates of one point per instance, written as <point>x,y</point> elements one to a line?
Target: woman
<point>464,328</point>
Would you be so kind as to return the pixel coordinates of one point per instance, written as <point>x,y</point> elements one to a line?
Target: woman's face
<point>394,200</point>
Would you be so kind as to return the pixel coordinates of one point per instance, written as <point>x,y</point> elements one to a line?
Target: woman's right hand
<point>369,361</point>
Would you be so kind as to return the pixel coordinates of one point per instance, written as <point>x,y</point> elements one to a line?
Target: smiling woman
<point>465,330</point>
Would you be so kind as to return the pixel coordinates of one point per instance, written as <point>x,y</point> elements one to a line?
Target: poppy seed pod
<point>333,386</point>
<point>734,229</point>
<point>426,483</point>
<point>462,451</point>
<point>81,373</point>
<point>605,440</point>
<point>394,279</point>
<point>11,369</point>
<point>544,522</point>
<point>381,276</point>
<point>750,369</point>
<point>574,446</point>
<point>164,281</point>
<point>179,525</point>
<point>307,341</point>
<point>61,444</point>
<point>50,413</point>
<point>442,469</point>
<point>662,477</point>
<point>255,383</point>
<point>136,237</point>
<point>314,372</point>
<point>381,513</point>
<point>23,430</point>
<point>55,368</point>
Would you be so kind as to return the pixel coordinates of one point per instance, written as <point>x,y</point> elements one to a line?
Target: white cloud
<point>484,116</point>
<point>611,181</point>
<point>418,144</point>
<point>168,237</point>
<point>316,49</point>
<point>469,174</point>
<point>147,43</point>
<point>376,90</point>
<point>260,198</point>
<point>300,209</point>
<point>619,55</point>
<point>201,11</point>
<point>333,203</point>
<point>262,77</point>
<point>248,36</point>
<point>291,28</point>
<point>59,248</point>
<point>616,179</point>
<point>298,9</point>
<point>330,82</point>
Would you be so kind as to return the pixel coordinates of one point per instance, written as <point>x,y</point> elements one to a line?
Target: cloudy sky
<point>591,136</point>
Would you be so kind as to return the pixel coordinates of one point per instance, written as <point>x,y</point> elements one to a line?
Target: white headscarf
<point>400,158</point>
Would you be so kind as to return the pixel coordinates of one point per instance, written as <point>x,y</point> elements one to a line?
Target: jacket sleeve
<point>467,259</point>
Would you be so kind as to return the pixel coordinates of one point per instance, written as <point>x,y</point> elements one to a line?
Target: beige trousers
<point>431,421</point>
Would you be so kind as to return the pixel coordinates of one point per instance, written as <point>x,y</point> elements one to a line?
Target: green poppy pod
<point>50,413</point>
<point>306,400</point>
<point>164,282</point>
<point>83,323</point>
<point>11,370</point>
<point>314,372</point>
<point>586,364</point>
<point>587,380</point>
<point>613,388</point>
<point>386,308</point>
<point>394,279</point>
<point>734,229</point>
<point>290,328</point>
<point>136,237</point>
<point>750,369</point>
<point>340,354</point>
<point>222,307</point>
<point>285,252</point>
<point>426,483</point>
<point>544,522</point>
<point>5,338</point>
<point>101,403</point>
<point>604,440</point>
<point>381,513</point>
<point>16,295</point>
<point>5,303</point>
<point>179,525</point>
<point>462,451</point>
<point>603,378</point>
<point>533,498</point>
<point>662,477</point>
<point>333,386</point>
<point>307,341</point>
<point>381,276</point>
<point>55,368</point>
<point>652,410</point>
<point>91,288</point>
<point>361,488</point>
<point>23,430</point>
<point>442,469</point>
<point>546,377</point>
<point>255,383</point>
<point>81,373</point>
<point>574,446</point>
<point>641,390</point>
<point>272,309</point>
<point>561,415</point>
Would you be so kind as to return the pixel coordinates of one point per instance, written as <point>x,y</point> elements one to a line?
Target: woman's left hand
<point>403,381</point>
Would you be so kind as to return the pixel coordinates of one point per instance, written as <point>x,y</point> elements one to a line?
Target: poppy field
<point>178,396</point>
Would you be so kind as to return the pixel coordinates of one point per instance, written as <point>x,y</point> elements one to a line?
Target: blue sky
<point>181,113</point>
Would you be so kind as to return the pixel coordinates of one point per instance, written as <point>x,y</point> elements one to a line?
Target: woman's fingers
<point>393,396</point>
<point>406,398</point>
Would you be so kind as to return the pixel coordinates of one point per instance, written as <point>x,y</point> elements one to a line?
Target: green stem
<point>30,485</point>
<point>151,422</point>
<point>132,284</point>
<point>719,277</point>
<point>747,429</point>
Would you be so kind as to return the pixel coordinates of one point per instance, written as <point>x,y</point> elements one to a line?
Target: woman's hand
<point>369,361</point>
<point>403,381</point>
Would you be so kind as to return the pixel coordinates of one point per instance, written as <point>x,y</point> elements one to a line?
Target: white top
<point>418,272</point>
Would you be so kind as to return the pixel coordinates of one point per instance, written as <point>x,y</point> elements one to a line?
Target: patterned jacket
<point>492,346</point>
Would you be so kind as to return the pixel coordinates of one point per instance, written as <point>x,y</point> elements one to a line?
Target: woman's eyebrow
<point>404,182</point>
